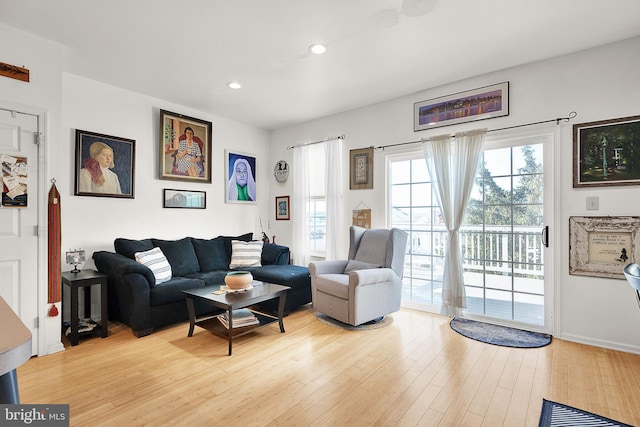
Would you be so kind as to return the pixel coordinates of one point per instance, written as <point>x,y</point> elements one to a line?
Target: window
<point>414,209</point>
<point>317,202</point>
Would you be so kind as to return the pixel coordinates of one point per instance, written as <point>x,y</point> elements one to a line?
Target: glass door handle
<point>545,236</point>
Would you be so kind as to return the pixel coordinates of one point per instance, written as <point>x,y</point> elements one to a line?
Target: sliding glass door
<point>505,270</point>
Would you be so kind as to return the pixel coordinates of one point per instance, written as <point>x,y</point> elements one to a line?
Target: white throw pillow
<point>157,262</point>
<point>245,254</point>
<point>354,265</point>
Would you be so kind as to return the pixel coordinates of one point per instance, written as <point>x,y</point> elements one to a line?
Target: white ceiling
<point>185,51</point>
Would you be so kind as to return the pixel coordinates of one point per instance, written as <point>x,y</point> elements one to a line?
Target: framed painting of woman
<point>104,165</point>
<point>240,177</point>
<point>185,148</point>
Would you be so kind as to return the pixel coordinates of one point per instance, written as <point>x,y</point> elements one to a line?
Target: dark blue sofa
<point>137,301</point>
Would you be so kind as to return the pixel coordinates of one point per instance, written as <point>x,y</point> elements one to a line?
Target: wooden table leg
<point>192,315</point>
<point>73,336</point>
<point>230,331</point>
<point>283,298</point>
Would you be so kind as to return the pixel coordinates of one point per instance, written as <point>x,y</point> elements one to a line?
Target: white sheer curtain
<point>333,179</point>
<point>300,205</point>
<point>452,165</point>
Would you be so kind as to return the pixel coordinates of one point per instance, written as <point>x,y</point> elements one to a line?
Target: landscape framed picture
<point>606,153</point>
<point>104,165</point>
<point>184,199</point>
<point>185,148</point>
<point>477,104</point>
<point>282,208</point>
<point>361,169</point>
<point>240,179</point>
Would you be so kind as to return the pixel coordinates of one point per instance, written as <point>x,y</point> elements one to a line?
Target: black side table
<point>85,279</point>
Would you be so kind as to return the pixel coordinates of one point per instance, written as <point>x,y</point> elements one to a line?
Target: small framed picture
<point>606,153</point>
<point>240,177</point>
<point>184,199</point>
<point>76,257</point>
<point>185,148</point>
<point>104,165</point>
<point>361,169</point>
<point>282,208</point>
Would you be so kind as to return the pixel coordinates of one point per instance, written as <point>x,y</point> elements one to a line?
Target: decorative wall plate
<point>281,171</point>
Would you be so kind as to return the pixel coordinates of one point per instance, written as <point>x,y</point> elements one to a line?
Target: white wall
<point>69,102</point>
<point>598,84</point>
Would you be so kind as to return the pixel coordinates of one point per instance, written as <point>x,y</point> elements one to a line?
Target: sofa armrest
<point>273,254</point>
<point>317,268</point>
<point>118,265</point>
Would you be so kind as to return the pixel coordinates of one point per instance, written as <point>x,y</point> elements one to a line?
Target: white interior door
<point>18,225</point>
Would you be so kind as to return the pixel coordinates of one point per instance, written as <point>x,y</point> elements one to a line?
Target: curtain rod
<point>572,115</point>
<point>331,138</point>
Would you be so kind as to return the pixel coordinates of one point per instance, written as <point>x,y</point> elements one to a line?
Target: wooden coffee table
<point>232,301</point>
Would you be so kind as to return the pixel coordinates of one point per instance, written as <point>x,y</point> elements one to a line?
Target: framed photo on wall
<point>185,148</point>
<point>606,153</point>
<point>240,176</point>
<point>361,169</point>
<point>477,104</point>
<point>184,199</point>
<point>104,165</point>
<point>282,208</point>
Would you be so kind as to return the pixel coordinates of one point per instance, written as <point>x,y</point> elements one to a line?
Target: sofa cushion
<point>228,239</point>
<point>211,254</point>
<point>128,247</point>
<point>171,291</point>
<point>294,276</point>
<point>245,254</point>
<point>180,254</point>
<point>157,263</point>
<point>355,265</point>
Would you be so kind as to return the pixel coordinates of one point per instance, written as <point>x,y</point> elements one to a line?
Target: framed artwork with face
<point>104,165</point>
<point>240,179</point>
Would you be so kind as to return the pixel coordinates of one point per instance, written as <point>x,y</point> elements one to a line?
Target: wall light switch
<point>593,203</point>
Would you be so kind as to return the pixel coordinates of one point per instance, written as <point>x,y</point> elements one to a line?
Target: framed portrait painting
<point>185,148</point>
<point>282,208</point>
<point>104,165</point>
<point>240,176</point>
<point>606,153</point>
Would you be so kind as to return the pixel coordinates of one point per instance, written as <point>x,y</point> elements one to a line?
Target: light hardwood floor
<point>417,371</point>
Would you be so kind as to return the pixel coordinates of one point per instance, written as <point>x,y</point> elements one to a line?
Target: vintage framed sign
<point>602,246</point>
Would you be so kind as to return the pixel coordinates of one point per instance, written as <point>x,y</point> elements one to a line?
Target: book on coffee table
<point>241,317</point>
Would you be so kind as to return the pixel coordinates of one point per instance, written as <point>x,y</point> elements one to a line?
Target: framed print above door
<point>185,148</point>
<point>477,104</point>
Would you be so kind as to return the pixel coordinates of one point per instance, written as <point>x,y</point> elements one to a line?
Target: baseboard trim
<point>611,345</point>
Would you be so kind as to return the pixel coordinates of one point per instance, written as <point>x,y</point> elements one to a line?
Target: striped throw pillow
<point>245,254</point>
<point>157,262</point>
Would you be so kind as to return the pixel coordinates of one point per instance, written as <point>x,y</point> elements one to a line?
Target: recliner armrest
<point>317,268</point>
<point>372,276</point>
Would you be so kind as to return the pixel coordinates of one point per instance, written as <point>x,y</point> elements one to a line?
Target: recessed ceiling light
<point>318,49</point>
<point>234,85</point>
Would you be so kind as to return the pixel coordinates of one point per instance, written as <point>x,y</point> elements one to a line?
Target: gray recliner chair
<point>368,285</point>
